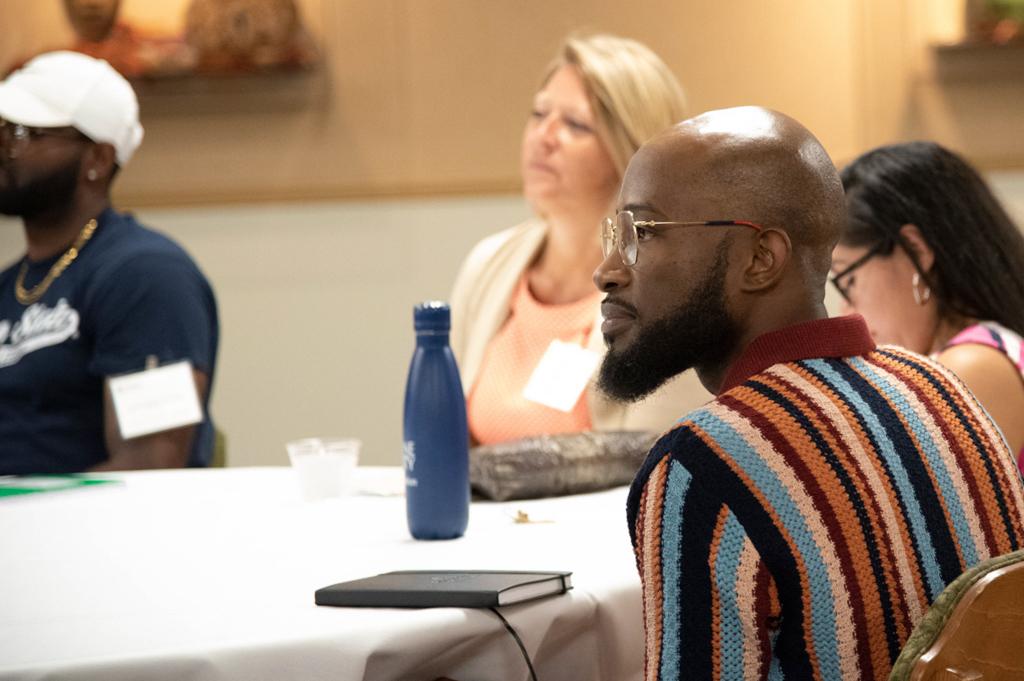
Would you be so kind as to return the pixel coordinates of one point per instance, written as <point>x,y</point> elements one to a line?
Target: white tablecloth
<point>210,574</point>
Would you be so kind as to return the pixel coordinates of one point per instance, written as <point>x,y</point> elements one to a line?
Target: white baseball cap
<point>60,89</point>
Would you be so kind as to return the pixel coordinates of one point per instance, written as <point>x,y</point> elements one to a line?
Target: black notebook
<point>444,589</point>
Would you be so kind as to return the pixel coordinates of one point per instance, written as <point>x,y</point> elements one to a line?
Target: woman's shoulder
<point>973,359</point>
<point>990,373</point>
<point>995,377</point>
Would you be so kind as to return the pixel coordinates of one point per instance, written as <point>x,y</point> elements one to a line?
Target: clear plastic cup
<point>325,467</point>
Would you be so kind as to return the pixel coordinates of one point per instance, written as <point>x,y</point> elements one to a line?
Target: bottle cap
<point>432,315</point>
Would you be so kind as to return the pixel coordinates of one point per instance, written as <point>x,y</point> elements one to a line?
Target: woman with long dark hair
<point>934,263</point>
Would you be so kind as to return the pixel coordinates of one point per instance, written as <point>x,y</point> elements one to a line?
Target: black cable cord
<point>522,648</point>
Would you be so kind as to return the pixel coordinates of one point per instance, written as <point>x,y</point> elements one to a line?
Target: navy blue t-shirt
<point>131,294</point>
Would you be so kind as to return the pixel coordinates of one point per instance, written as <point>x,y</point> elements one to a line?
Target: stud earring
<point>920,297</point>
<point>92,174</point>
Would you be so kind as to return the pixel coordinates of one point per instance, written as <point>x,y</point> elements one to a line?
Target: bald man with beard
<point>799,524</point>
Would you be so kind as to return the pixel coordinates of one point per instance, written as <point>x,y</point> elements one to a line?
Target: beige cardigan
<point>480,305</point>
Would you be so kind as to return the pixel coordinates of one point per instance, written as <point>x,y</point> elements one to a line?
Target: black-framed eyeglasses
<point>15,137</point>
<point>620,232</point>
<point>844,281</point>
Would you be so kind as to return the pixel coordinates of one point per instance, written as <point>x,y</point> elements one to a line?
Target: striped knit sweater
<point>800,524</point>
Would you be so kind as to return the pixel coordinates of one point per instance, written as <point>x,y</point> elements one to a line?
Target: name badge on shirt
<point>561,376</point>
<point>155,400</point>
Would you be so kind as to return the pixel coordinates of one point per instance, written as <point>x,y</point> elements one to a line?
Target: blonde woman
<point>525,311</point>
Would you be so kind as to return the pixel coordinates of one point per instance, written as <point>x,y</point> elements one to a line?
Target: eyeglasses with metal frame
<point>15,137</point>
<point>621,232</point>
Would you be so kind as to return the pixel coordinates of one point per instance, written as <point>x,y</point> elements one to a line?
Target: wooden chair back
<point>974,631</point>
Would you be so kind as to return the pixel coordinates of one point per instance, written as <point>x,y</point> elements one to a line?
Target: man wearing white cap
<point>96,298</point>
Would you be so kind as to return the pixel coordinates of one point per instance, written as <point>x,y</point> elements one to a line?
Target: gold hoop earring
<point>920,297</point>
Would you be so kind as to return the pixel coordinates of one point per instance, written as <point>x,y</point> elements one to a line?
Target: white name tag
<point>561,376</point>
<point>155,400</point>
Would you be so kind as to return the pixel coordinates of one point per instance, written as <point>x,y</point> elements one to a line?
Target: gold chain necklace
<point>26,297</point>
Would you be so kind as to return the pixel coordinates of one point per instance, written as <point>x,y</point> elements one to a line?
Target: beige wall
<point>427,97</point>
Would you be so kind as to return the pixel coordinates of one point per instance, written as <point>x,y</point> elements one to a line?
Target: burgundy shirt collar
<point>833,337</point>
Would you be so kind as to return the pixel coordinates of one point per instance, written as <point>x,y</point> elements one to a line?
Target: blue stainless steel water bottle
<point>435,448</point>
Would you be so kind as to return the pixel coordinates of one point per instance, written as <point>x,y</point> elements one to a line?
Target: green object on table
<point>17,485</point>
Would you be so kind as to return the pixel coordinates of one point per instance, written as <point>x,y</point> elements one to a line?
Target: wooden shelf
<point>277,90</point>
<point>980,61</point>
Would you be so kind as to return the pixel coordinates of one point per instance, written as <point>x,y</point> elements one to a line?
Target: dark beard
<point>50,193</point>
<point>698,332</point>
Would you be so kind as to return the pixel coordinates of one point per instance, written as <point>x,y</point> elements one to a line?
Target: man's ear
<point>767,262</point>
<point>99,162</point>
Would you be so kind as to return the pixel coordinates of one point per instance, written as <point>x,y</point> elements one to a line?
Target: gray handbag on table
<point>556,465</point>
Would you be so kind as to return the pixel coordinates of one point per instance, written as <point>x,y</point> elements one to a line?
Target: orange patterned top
<point>496,408</point>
